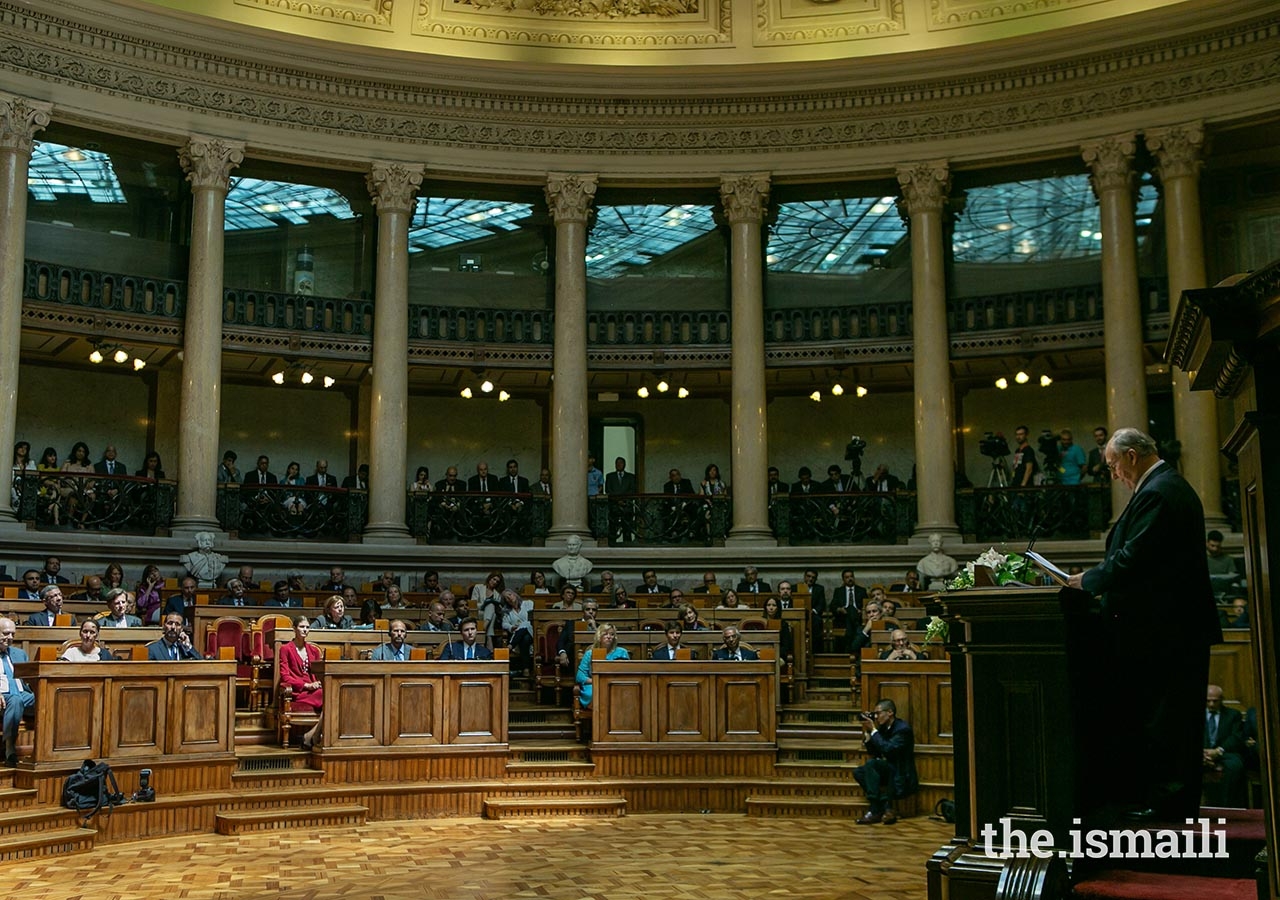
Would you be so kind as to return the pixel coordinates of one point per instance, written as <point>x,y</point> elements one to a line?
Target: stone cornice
<point>1223,73</point>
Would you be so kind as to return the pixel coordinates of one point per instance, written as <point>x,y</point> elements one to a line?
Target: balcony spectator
<point>1072,461</point>
<point>422,481</point>
<point>294,502</point>
<point>482,481</point>
<point>804,483</point>
<point>1025,468</point>
<point>712,484</point>
<point>1096,467</point>
<point>359,481</point>
<point>151,467</point>
<point>109,464</point>
<point>595,478</point>
<point>450,483</point>
<point>77,491</point>
<point>261,474</point>
<point>542,487</point>
<point>227,471</point>
<point>775,486</point>
<point>881,480</point>
<point>514,482</point>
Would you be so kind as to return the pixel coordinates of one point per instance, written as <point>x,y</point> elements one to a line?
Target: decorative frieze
<point>361,13</point>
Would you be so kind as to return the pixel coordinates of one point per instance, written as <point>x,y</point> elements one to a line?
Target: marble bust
<point>204,564</point>
<point>935,566</point>
<point>573,567</point>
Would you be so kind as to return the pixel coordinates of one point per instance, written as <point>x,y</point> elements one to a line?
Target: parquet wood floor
<point>654,857</point>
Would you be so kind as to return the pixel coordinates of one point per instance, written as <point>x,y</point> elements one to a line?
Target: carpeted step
<point>1126,884</point>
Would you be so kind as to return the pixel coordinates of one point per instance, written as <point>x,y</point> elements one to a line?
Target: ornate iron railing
<point>108,291</point>
<point>1049,512</point>
<point>55,500</point>
<point>660,327</point>
<point>466,518</point>
<point>296,312</point>
<point>480,325</point>
<point>854,518</point>
<point>660,519</point>
<point>295,512</point>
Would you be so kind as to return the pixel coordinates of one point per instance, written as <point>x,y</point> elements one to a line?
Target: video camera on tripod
<point>993,444</point>
<point>853,453</point>
<point>1048,442</point>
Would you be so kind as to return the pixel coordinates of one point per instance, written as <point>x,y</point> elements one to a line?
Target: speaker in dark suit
<point>620,481</point>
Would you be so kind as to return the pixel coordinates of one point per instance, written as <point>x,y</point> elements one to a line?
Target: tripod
<point>999,473</point>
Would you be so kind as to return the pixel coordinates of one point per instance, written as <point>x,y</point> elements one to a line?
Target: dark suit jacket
<point>893,483</point>
<point>538,489</point>
<point>624,483</point>
<point>40,617</point>
<point>458,485</point>
<point>101,468</point>
<point>491,484</point>
<point>1154,578</point>
<point>685,486</point>
<point>798,488</point>
<point>522,484</point>
<point>314,480</point>
<point>350,483</point>
<point>664,652</point>
<point>762,588</point>
<point>840,598</point>
<point>251,478</point>
<point>831,487</point>
<point>656,589</point>
<point>158,651</point>
<point>897,746</point>
<point>457,650</point>
<point>143,473</point>
<point>817,597</point>
<point>1230,731</point>
<point>24,594</point>
<point>780,488</point>
<point>723,653</point>
<point>56,579</point>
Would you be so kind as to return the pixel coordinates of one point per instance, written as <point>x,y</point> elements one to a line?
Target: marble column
<point>208,162</point>
<point>570,198</point>
<point>1177,150</point>
<point>925,186</point>
<point>393,187</point>
<point>745,198</point>
<point>20,119</point>
<point>1110,162</point>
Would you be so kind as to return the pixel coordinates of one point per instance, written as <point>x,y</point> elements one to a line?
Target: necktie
<point>467,654</point>
<point>173,651</point>
<point>12,683</point>
<point>400,655</point>
<point>513,483</point>
<point>1213,730</point>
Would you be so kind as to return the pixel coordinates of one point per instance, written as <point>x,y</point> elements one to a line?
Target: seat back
<point>753,623</point>
<point>417,653</point>
<point>64,620</point>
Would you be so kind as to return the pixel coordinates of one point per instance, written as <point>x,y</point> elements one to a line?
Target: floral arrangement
<point>1005,567</point>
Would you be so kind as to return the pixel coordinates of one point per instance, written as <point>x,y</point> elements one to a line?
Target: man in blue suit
<point>733,648</point>
<point>175,644</point>
<point>668,651</point>
<point>15,699</point>
<point>1154,583</point>
<point>467,648</point>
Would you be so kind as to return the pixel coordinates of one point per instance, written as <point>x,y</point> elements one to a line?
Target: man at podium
<point>1158,621</point>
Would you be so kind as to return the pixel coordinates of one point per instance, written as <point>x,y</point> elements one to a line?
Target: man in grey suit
<point>394,650</point>
<point>15,699</point>
<point>118,617</point>
<point>51,597</point>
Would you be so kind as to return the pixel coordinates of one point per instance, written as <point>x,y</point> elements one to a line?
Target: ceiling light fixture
<point>682,393</point>
<point>816,396</point>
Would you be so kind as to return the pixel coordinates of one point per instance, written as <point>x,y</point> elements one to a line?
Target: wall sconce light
<point>118,354</point>
<point>304,373</point>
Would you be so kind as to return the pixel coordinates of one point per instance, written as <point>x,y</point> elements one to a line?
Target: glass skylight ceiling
<point>833,237</point>
<point>626,238</point>
<point>442,221</point>
<point>253,203</point>
<point>57,169</point>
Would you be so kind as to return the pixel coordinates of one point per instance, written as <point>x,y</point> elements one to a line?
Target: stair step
<point>11,797</point>
<point>46,843</point>
<point>813,769</point>
<point>529,807</point>
<point>826,807</point>
<point>242,821</point>
<point>566,769</point>
<point>257,779</point>
<point>1122,884</point>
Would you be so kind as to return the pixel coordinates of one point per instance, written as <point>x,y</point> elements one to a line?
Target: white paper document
<point>1054,572</point>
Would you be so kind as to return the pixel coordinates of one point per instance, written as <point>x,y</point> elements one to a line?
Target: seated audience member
<point>881,480</point>
<point>394,650</point>
<point>837,483</point>
<point>246,578</point>
<point>708,584</point>
<point>113,576</point>
<point>350,597</point>
<point>538,579</point>
<point>1224,749</point>
<point>294,577</point>
<point>92,592</point>
<point>52,566</point>
<point>394,598</point>
<point>515,622</point>
<point>430,582</point>
<point>461,610</point>
<point>650,584</point>
<point>785,591</point>
<point>370,611</point>
<point>733,649</point>
<point>606,584</point>
<point>261,473</point>
<point>846,600</point>
<point>902,648</point>
<point>13,690</point>
<point>51,597</point>
<point>568,598</point>
<point>817,593</point>
<point>1238,617</point>
<point>322,478</point>
<point>335,614</point>
<point>147,595</point>
<point>486,599</point>
<point>359,481</point>
<point>235,594</point>
<point>384,580</point>
<point>776,487</point>
<point>174,644</point>
<point>888,606</point>
<point>564,643</point>
<point>183,602</point>
<point>910,583</point>
<point>730,601</point>
<point>435,620</point>
<point>297,660</point>
<point>689,618</point>
<point>890,770</point>
<point>152,469</point>
<point>31,585</point>
<point>621,600</point>
<point>227,471</point>
<point>422,481</point>
<point>751,583</point>
<point>117,614</point>
<point>605,646</point>
<point>772,612</point>
<point>1222,568</point>
<point>861,637</point>
<point>468,648</point>
<point>88,650</point>
<point>805,484</point>
<point>674,600</point>
<point>280,596</point>
<point>450,484</point>
<point>669,650</point>
<point>877,593</point>
<point>337,581</point>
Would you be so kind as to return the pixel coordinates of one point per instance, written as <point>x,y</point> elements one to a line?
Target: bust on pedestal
<point>573,567</point>
<point>936,566</point>
<point>204,564</point>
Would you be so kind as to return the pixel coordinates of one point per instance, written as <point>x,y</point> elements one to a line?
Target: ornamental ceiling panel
<point>362,13</point>
<point>964,13</point>
<point>793,22</point>
<point>631,24</point>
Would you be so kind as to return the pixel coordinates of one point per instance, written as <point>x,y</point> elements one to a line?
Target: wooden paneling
<point>1231,667</point>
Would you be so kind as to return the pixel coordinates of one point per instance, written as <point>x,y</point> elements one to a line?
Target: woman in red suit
<point>296,662</point>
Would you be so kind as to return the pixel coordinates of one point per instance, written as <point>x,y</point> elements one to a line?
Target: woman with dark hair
<point>370,611</point>
<point>112,576</point>
<point>88,650</point>
<point>297,660</point>
<point>422,481</point>
<point>77,491</point>
<point>151,467</point>
<point>730,601</point>
<point>293,503</point>
<point>486,600</point>
<point>773,612</point>
<point>712,484</point>
<point>148,595</point>
<point>621,599</point>
<point>538,579</point>
<point>22,464</point>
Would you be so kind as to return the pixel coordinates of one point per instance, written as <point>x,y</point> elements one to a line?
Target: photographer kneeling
<point>890,772</point>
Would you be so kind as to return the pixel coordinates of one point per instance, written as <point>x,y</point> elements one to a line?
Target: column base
<point>557,535</point>
<point>191,525</point>
<point>751,535</point>
<point>950,531</point>
<point>9,523</point>
<point>386,533</point>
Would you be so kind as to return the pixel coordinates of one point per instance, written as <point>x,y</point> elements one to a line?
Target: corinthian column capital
<point>208,161</point>
<point>744,197</point>
<point>394,185</point>
<point>1177,149</point>
<point>925,186</point>
<point>1110,162</point>
<point>570,197</point>
<point>20,119</point>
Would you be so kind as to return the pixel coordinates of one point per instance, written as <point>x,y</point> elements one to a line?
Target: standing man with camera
<point>890,771</point>
<point>1024,459</point>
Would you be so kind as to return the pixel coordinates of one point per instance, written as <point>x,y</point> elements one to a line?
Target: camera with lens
<point>993,444</point>
<point>1048,442</point>
<point>853,453</point>
<point>145,792</point>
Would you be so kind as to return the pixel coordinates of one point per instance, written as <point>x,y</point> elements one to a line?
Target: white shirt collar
<point>1147,474</point>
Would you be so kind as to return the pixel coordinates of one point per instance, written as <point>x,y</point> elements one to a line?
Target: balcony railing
<point>1048,512</point>
<point>294,512</point>
<point>854,518</point>
<point>108,291</point>
<point>120,503</point>
<point>660,519</point>
<point>466,518</point>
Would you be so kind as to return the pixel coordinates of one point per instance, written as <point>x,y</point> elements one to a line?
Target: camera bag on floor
<point>86,790</point>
